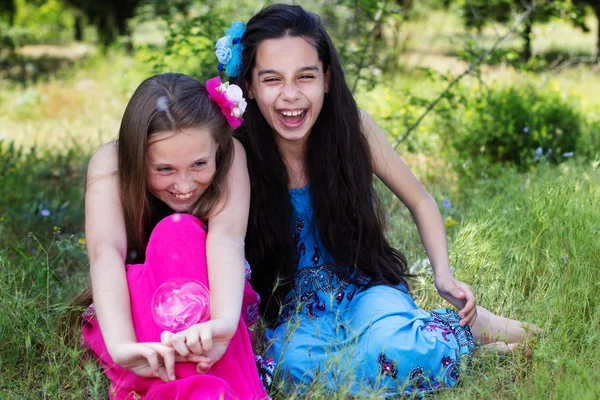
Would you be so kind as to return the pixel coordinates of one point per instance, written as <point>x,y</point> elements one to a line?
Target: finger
<point>472,321</point>
<point>203,367</point>
<point>459,293</point>
<point>195,358</point>
<point>168,355</point>
<point>178,343</point>
<point>150,355</point>
<point>165,338</point>
<point>166,363</point>
<point>193,342</point>
<point>469,305</point>
<point>206,339</point>
<point>469,319</point>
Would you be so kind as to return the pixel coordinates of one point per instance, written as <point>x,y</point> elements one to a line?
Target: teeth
<point>183,196</point>
<point>291,113</point>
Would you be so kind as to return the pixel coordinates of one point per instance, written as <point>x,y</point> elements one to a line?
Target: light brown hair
<point>165,102</point>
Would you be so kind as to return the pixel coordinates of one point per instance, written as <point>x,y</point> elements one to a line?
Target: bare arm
<point>107,246</point>
<point>226,272</point>
<point>394,173</point>
<point>225,243</point>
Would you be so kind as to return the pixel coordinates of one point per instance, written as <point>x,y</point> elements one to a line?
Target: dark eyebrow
<point>301,69</point>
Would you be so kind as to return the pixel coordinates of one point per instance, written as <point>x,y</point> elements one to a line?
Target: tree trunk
<point>8,7</point>
<point>596,7</point>
<point>79,28</point>
<point>526,54</point>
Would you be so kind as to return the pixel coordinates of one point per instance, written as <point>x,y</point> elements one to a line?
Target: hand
<point>206,342</point>
<point>460,295</point>
<point>149,359</point>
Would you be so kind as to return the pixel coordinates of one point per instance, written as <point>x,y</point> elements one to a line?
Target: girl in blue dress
<point>333,289</point>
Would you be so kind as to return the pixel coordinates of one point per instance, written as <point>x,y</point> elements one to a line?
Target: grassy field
<point>529,243</point>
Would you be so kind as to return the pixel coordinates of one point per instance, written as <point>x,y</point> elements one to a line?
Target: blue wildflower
<point>539,151</point>
<point>446,203</point>
<point>45,213</point>
<point>526,129</point>
<point>568,154</point>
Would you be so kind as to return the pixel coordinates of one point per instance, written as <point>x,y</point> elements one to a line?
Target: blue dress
<point>336,335</point>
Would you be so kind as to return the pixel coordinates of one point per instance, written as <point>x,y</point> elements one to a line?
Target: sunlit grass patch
<point>81,108</point>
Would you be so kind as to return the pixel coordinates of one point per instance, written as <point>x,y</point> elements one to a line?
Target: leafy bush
<point>42,22</point>
<point>518,125</point>
<point>190,47</point>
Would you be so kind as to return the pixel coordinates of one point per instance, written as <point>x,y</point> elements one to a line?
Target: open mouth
<point>292,117</point>
<point>183,196</point>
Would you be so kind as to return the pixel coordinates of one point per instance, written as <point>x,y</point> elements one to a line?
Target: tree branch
<point>529,9</point>
<point>378,21</point>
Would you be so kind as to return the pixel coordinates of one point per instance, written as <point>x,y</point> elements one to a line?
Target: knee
<point>179,226</point>
<point>178,231</point>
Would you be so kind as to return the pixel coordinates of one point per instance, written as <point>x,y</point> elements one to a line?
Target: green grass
<point>529,244</point>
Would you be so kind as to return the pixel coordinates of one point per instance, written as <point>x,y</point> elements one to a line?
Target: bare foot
<point>506,348</point>
<point>490,328</point>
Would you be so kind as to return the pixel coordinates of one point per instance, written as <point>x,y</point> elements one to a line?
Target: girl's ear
<point>327,79</point>
<point>250,95</point>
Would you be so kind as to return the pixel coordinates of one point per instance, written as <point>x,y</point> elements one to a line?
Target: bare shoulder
<point>104,161</point>
<point>239,151</point>
<point>376,137</point>
<point>370,129</point>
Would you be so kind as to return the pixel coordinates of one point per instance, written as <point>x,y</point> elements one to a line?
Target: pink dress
<point>177,249</point>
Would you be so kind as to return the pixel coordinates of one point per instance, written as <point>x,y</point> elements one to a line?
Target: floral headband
<point>229,49</point>
<point>230,98</point>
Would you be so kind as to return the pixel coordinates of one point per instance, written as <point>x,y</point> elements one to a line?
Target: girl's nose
<point>290,92</point>
<point>184,184</point>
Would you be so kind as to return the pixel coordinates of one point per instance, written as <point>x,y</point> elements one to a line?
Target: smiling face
<point>180,166</point>
<point>289,85</point>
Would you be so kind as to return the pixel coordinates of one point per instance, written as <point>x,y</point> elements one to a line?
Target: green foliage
<point>355,25</point>
<point>41,22</point>
<point>478,13</point>
<point>190,47</point>
<point>518,125</point>
<point>35,191</point>
<point>42,265</point>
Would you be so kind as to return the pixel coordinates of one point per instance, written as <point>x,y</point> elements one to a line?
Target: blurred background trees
<point>423,50</point>
<point>60,20</point>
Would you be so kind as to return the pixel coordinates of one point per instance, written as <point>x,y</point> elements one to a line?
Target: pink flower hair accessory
<point>230,98</point>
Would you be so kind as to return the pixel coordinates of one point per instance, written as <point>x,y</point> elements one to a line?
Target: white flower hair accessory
<point>230,98</point>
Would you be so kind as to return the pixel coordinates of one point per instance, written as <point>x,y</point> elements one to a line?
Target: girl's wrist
<point>442,273</point>
<point>227,326</point>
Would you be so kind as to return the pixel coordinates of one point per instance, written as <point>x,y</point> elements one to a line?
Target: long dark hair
<point>338,163</point>
<point>166,102</point>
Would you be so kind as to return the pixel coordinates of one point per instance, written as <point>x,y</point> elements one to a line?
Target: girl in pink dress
<point>174,188</point>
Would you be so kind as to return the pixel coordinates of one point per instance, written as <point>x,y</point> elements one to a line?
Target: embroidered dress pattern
<point>333,318</point>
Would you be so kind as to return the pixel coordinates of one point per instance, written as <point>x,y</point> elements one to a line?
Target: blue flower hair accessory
<point>229,49</point>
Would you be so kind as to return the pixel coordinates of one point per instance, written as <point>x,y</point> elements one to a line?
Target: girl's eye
<point>307,77</point>
<point>164,169</point>
<point>200,164</point>
<point>269,80</point>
